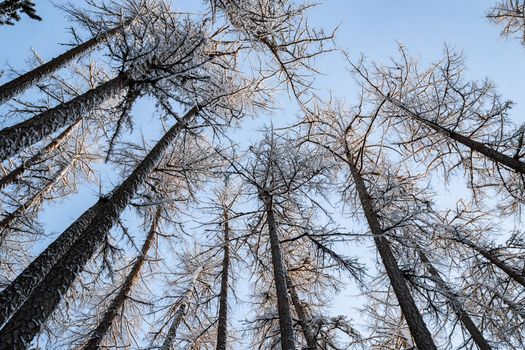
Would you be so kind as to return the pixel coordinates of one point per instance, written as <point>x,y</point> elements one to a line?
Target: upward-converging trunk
<point>28,320</point>
<point>17,137</point>
<point>279,273</point>
<point>301,312</point>
<point>13,296</point>
<point>455,304</point>
<point>25,81</point>
<point>513,273</point>
<point>475,146</point>
<point>181,307</point>
<point>30,202</point>
<point>222,327</point>
<point>416,324</point>
<point>97,335</point>
<point>17,173</point>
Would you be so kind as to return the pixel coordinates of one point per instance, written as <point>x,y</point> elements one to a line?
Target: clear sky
<point>370,27</point>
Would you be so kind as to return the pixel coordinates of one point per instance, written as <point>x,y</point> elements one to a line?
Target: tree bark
<point>97,335</point>
<point>20,84</point>
<point>17,137</point>
<point>29,319</point>
<point>304,320</point>
<point>21,209</point>
<point>16,173</point>
<point>476,146</point>
<point>279,273</point>
<point>13,296</point>
<point>180,313</point>
<point>460,312</point>
<point>510,271</point>
<point>222,327</point>
<point>416,324</point>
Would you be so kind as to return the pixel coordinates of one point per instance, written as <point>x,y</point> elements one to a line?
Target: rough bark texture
<point>476,146</point>
<point>416,324</point>
<point>21,209</point>
<point>12,297</point>
<point>25,81</point>
<point>15,138</point>
<point>222,327</point>
<point>510,271</point>
<point>304,320</point>
<point>17,173</point>
<point>97,335</point>
<point>455,304</point>
<point>279,273</point>
<point>29,319</point>
<point>182,305</point>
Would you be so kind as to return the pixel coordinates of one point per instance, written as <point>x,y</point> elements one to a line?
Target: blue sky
<point>370,27</point>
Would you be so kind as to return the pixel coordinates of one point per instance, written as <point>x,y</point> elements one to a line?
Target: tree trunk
<point>29,319</point>
<point>222,327</point>
<point>476,146</point>
<point>97,335</point>
<point>460,312</point>
<point>17,137</point>
<point>416,324</point>
<point>22,208</point>
<point>15,174</point>
<point>510,271</point>
<point>304,320</point>
<point>13,296</point>
<point>279,273</point>
<point>25,81</point>
<point>180,313</point>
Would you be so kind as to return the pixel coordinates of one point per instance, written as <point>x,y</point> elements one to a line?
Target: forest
<point>209,216</point>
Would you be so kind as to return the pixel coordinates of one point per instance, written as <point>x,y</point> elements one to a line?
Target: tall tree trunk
<point>455,304</point>
<point>182,305</point>
<point>25,81</point>
<point>97,335</point>
<point>279,273</point>
<point>416,324</point>
<point>514,274</point>
<point>17,137</point>
<point>22,208</point>
<point>222,327</point>
<point>28,320</point>
<point>14,295</point>
<point>304,320</point>
<point>16,173</point>
<point>476,146</point>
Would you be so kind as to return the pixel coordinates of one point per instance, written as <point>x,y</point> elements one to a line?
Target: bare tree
<point>510,14</point>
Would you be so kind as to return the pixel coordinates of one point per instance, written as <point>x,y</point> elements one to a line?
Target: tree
<point>437,117</point>
<point>10,11</point>
<point>509,13</point>
<point>97,335</point>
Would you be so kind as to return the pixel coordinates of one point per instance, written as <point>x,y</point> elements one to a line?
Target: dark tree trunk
<point>182,305</point>
<point>222,327</point>
<point>29,319</point>
<point>476,146</point>
<point>25,81</point>
<point>17,137</point>
<point>279,273</point>
<point>97,335</point>
<point>455,304</point>
<point>416,324</point>
<point>16,173</point>
<point>304,320</point>
<point>13,296</point>
<point>22,208</point>
<point>514,274</point>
